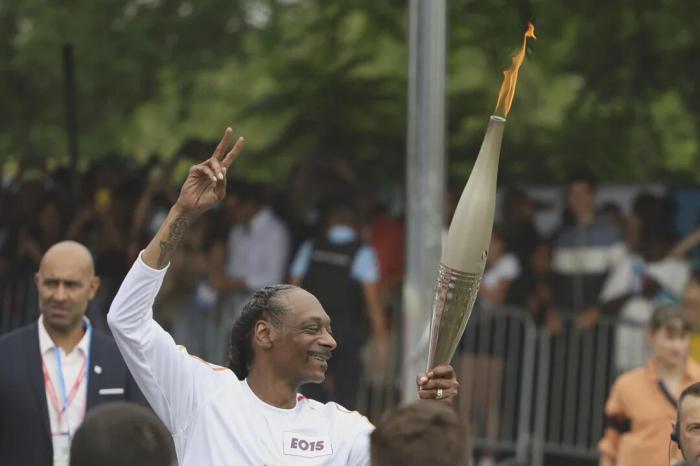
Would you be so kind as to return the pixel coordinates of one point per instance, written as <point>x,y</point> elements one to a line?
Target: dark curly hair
<point>264,304</point>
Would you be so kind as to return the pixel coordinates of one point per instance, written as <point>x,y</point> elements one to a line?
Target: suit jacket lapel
<point>35,375</point>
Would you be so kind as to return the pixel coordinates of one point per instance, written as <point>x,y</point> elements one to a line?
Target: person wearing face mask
<point>642,403</point>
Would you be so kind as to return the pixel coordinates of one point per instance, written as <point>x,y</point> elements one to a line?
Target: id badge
<point>61,450</point>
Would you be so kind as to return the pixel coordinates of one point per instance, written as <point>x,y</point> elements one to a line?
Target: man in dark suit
<point>54,370</point>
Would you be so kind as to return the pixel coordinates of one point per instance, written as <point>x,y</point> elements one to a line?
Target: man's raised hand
<point>206,182</point>
<point>205,186</point>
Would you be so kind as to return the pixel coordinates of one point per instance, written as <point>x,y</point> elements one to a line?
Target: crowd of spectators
<point>601,262</point>
<point>248,242</point>
<point>598,262</point>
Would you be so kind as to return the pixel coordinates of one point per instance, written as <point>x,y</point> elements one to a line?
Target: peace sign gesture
<point>206,182</point>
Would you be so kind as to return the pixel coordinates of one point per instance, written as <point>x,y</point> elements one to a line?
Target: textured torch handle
<point>455,294</point>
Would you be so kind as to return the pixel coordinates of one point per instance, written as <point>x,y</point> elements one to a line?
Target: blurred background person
<point>152,205</point>
<point>652,275</point>
<point>25,235</point>
<point>102,224</point>
<point>502,269</point>
<point>533,290</point>
<point>343,273</point>
<point>382,227</point>
<point>518,226</point>
<point>586,249</point>
<point>254,255</point>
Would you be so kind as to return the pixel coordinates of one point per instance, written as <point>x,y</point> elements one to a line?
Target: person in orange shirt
<point>641,407</point>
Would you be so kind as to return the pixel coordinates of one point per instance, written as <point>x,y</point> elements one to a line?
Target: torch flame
<point>510,79</point>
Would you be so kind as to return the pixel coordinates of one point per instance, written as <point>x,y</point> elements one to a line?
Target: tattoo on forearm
<point>177,230</point>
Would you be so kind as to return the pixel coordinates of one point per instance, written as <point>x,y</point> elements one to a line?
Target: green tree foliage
<point>609,85</point>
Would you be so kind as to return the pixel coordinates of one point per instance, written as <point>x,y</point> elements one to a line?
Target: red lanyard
<point>60,410</point>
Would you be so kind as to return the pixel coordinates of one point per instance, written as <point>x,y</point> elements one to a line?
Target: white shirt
<point>214,418</point>
<point>631,347</point>
<point>72,363</point>
<point>257,251</point>
<point>506,268</point>
<point>671,273</point>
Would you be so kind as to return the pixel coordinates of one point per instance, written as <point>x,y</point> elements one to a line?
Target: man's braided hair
<point>264,304</point>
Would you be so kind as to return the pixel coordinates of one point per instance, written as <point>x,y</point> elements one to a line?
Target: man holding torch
<point>250,412</point>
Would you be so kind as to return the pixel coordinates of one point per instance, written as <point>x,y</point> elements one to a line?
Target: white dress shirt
<point>64,425</point>
<point>216,419</point>
<point>257,251</point>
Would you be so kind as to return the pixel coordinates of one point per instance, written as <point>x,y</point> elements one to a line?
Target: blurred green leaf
<point>608,85</point>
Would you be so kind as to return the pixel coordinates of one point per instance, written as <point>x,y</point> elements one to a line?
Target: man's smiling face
<point>304,341</point>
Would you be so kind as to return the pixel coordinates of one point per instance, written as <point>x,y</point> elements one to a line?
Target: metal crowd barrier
<point>576,371</point>
<point>495,365</point>
<point>529,397</point>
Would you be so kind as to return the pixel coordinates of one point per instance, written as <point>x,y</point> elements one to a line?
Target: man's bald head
<point>66,282</point>
<point>69,251</point>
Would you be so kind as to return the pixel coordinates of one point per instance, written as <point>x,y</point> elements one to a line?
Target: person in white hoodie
<point>250,413</point>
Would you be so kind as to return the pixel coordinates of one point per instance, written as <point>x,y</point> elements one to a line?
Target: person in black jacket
<point>56,369</point>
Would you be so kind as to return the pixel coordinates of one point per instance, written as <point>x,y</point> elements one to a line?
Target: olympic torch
<point>468,238</point>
